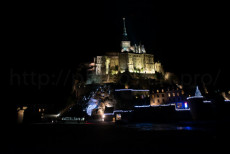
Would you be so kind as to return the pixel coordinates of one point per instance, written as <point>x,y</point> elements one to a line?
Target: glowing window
<point>118,116</point>
<point>186,105</point>
<point>169,95</point>
<point>179,105</point>
<point>182,92</point>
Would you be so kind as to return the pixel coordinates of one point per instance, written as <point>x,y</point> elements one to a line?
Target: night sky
<point>53,39</point>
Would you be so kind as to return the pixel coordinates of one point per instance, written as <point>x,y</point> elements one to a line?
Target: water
<point>184,126</point>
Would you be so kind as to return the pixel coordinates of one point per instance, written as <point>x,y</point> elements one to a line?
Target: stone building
<point>166,96</point>
<point>133,59</point>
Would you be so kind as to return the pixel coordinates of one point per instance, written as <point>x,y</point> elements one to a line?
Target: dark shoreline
<point>110,138</point>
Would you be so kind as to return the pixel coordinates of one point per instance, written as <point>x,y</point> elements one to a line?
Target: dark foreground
<point>109,138</point>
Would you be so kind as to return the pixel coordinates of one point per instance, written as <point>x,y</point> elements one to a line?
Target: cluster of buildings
<point>138,65</point>
<point>102,95</point>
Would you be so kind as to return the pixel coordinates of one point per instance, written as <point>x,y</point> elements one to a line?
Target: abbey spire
<point>125,43</point>
<point>125,35</point>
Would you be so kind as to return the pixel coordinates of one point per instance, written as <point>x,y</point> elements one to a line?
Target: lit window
<point>182,92</point>
<point>39,110</point>
<point>174,95</point>
<point>118,116</point>
<point>158,91</point>
<point>178,94</point>
<point>179,105</point>
<point>162,90</point>
<point>186,105</point>
<point>169,95</point>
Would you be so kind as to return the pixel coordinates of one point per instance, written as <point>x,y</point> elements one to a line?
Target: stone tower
<point>125,43</point>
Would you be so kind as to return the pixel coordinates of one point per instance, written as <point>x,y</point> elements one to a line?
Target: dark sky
<point>52,39</point>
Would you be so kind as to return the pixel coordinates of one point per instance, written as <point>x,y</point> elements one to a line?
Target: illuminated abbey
<point>132,58</point>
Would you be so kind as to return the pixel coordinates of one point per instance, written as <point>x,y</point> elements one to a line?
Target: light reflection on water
<point>185,128</point>
<point>159,127</point>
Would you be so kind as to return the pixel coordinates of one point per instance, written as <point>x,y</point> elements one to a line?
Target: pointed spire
<point>143,49</point>
<point>197,93</point>
<point>135,48</point>
<point>125,38</point>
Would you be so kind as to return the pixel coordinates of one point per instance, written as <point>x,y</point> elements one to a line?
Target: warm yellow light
<point>166,76</point>
<point>20,116</point>
<point>182,92</point>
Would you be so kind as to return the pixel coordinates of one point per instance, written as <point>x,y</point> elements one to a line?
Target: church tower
<point>125,43</point>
